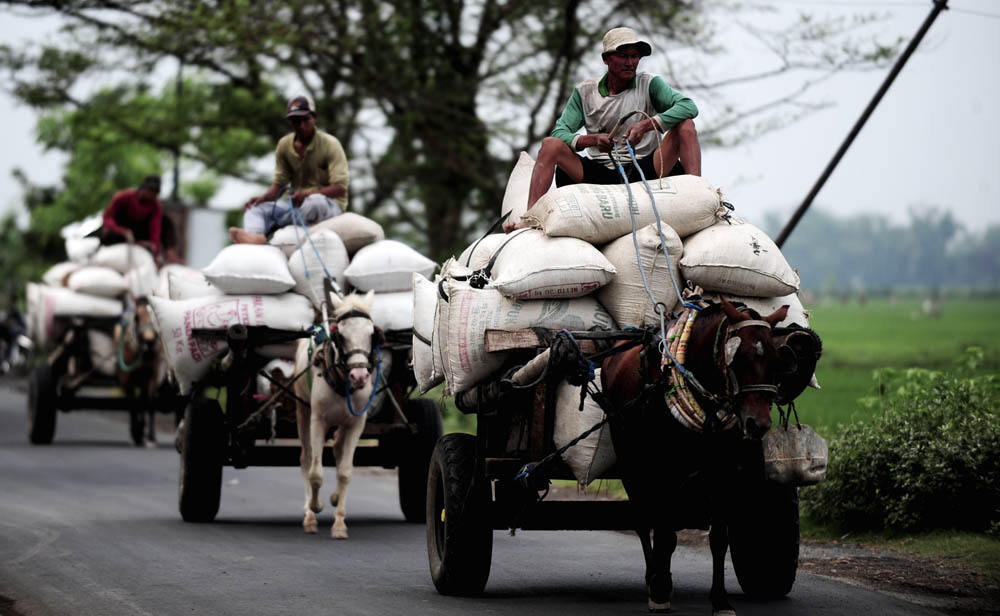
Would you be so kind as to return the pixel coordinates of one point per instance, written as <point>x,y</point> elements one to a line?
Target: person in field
<point>313,163</point>
<point>605,108</point>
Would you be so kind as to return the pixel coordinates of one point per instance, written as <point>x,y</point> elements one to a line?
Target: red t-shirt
<point>126,211</point>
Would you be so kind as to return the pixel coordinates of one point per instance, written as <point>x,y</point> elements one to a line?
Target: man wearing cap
<point>135,214</point>
<point>605,108</point>
<point>313,163</point>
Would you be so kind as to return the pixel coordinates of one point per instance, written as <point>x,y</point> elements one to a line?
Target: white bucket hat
<point>617,37</point>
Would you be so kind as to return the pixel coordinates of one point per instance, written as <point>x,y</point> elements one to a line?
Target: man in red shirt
<point>137,214</point>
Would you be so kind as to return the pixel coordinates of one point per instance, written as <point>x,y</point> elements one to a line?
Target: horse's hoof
<point>150,444</point>
<point>339,532</point>
<point>658,608</point>
<point>310,527</point>
<point>724,613</point>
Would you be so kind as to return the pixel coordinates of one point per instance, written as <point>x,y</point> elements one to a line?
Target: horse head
<point>355,337</point>
<point>145,330</point>
<point>750,360</point>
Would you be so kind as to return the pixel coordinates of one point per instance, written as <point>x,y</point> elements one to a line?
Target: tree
<point>432,98</point>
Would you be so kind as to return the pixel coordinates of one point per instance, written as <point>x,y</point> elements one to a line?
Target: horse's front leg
<point>303,420</point>
<point>344,444</point>
<point>658,578</point>
<point>148,391</point>
<point>718,539</point>
<point>317,439</point>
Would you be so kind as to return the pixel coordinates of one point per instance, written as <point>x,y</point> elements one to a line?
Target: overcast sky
<point>931,143</point>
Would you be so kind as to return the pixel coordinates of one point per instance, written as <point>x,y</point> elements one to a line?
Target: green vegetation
<point>860,338</point>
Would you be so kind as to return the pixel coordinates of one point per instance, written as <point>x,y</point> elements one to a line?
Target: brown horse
<point>686,476</point>
<point>137,353</point>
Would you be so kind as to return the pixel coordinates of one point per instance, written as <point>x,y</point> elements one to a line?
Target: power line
<point>975,12</point>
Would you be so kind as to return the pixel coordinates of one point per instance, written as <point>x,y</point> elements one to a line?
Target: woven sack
<point>355,230</point>
<point>250,269</point>
<point>118,257</point>
<point>387,266</point>
<point>307,268</point>
<point>531,265</point>
<point>515,196</point>
<point>424,308</point>
<point>795,455</point>
<point>393,310</point>
<point>56,275</point>
<point>599,213</point>
<point>472,311</point>
<point>736,257</point>
<point>97,280</point>
<point>625,297</point>
<point>594,455</point>
<point>189,356</point>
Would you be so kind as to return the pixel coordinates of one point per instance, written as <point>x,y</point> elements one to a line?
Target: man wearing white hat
<point>313,163</point>
<point>605,107</point>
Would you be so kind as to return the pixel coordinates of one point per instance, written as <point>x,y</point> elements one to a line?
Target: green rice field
<point>857,339</point>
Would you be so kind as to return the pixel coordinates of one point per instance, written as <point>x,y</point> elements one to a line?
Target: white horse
<point>344,363</point>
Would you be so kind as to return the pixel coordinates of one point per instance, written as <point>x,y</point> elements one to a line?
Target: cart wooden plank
<point>498,340</point>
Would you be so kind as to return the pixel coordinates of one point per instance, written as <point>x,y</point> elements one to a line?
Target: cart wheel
<point>42,405</point>
<point>201,461</point>
<point>764,541</point>
<point>417,457</point>
<point>459,533</point>
<point>136,426</point>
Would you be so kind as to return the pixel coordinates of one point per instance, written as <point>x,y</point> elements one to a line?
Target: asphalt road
<point>89,525</point>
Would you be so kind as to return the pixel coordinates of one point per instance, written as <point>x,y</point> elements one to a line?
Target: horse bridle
<point>732,384</point>
<point>336,361</point>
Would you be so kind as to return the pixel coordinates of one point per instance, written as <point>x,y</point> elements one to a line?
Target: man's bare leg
<point>680,142</point>
<point>553,152</point>
<point>239,236</point>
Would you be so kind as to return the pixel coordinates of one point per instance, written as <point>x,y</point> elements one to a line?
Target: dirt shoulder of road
<point>945,584</point>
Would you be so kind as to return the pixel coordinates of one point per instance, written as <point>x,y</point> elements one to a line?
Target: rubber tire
<point>764,541</point>
<point>202,444</point>
<point>416,458</point>
<point>42,405</point>
<point>459,547</point>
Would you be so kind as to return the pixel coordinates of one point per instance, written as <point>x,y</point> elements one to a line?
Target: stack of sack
<point>280,286</point>
<point>91,283</point>
<point>576,268</point>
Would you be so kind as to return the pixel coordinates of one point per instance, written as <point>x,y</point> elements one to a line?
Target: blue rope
<point>371,398</point>
<point>297,221</point>
<point>659,227</point>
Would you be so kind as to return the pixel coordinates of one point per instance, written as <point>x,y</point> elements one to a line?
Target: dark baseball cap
<point>300,106</point>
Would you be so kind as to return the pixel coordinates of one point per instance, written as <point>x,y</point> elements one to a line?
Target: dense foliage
<point>432,99</point>
<point>927,458</point>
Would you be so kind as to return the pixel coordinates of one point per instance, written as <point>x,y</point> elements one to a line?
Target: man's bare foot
<point>239,236</point>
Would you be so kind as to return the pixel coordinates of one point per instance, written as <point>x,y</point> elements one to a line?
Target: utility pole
<point>939,5</point>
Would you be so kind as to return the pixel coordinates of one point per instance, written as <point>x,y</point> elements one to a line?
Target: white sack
<point>424,309</point>
<point>33,306</point>
<point>142,281</point>
<point>387,266</point>
<point>190,357</point>
<point>354,229</point>
<point>737,258</point>
<point>594,455</point>
<point>103,354</point>
<point>189,285</point>
<point>515,197</point>
<point>767,305</point>
<point>250,269</point>
<point>530,265</point>
<point>472,311</point>
<point>452,274</point>
<point>163,277</point>
<point>117,258</point>
<point>81,249</point>
<point>97,280</point>
<point>599,213</point>
<point>56,275</point>
<point>285,368</point>
<point>55,302</point>
<point>333,254</point>
<point>625,297</point>
<point>393,310</point>
<point>479,253</point>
